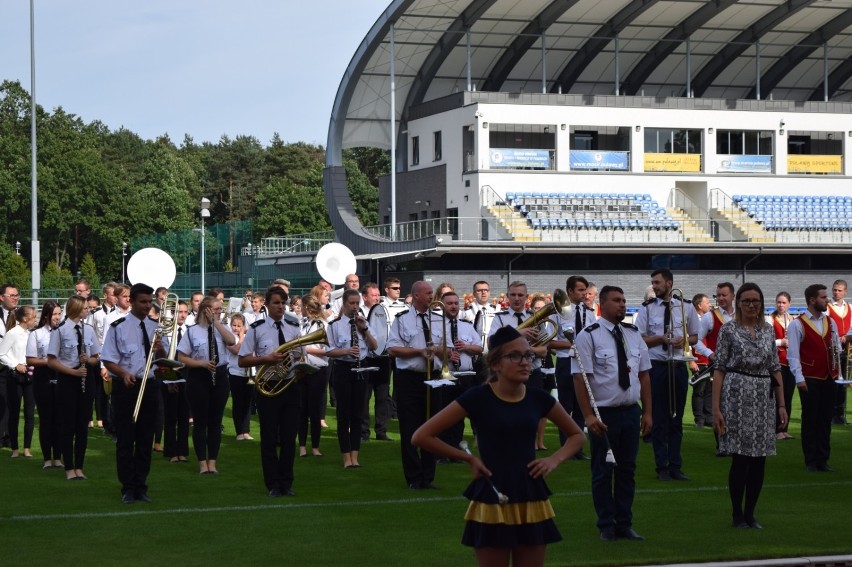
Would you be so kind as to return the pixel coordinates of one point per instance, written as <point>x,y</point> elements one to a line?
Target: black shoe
<point>383,438</point>
<point>824,468</point>
<point>143,496</point>
<point>275,493</point>
<point>580,456</point>
<point>754,524</point>
<point>607,534</point>
<point>811,468</point>
<point>740,524</point>
<point>428,486</point>
<point>127,499</point>
<point>664,475</point>
<point>288,492</point>
<point>629,533</point>
<point>678,475</point>
<point>414,486</point>
<point>365,439</point>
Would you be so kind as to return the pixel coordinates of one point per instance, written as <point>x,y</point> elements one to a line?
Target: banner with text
<point>744,163</point>
<point>690,163</point>
<point>590,159</point>
<point>512,158</point>
<point>814,164</point>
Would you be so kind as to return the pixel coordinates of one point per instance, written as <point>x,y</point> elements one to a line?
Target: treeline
<point>99,187</point>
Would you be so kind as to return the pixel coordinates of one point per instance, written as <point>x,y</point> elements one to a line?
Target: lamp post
<point>18,248</point>
<point>205,213</point>
<point>123,263</point>
<point>251,270</point>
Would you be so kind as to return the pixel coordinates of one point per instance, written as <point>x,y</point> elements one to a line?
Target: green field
<point>368,517</point>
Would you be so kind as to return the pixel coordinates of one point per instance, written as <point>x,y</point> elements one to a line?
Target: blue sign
<point>591,159</point>
<point>511,158</point>
<point>744,164</point>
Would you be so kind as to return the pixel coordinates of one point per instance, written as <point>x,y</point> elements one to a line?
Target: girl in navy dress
<point>506,415</point>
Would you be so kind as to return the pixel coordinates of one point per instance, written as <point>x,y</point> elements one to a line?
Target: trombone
<point>685,354</point>
<point>445,371</point>
<point>167,326</point>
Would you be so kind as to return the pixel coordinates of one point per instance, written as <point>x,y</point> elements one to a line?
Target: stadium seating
<point>797,213</point>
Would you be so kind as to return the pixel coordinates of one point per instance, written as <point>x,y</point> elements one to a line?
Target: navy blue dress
<point>506,441</point>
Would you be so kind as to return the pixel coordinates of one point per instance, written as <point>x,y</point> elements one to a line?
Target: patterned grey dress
<point>748,398</point>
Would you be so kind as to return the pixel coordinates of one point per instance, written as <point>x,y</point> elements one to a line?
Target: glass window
<point>744,142</point>
<point>415,150</point>
<point>673,141</point>
<point>437,146</point>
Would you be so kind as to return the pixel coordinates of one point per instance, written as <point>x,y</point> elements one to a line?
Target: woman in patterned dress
<point>746,390</point>
<point>506,414</point>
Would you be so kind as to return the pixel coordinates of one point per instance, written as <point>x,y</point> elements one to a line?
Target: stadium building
<point>540,138</point>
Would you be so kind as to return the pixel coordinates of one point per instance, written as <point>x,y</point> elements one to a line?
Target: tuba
<point>541,318</point>
<point>273,379</point>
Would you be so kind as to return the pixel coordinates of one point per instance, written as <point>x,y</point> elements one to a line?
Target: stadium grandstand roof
<point>800,49</point>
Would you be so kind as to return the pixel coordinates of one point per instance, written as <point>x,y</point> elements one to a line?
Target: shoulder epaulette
<point>289,317</point>
<point>154,320</point>
<point>291,322</point>
<point>648,302</point>
<point>464,321</point>
<point>401,313</point>
<point>590,328</point>
<point>628,326</point>
<point>503,312</point>
<point>117,322</point>
<point>256,324</point>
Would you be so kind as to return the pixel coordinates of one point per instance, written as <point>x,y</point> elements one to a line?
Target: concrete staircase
<point>513,222</point>
<point>749,229</point>
<point>692,231</point>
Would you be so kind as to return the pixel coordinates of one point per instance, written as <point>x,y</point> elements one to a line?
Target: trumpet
<point>167,326</point>
<point>273,379</point>
<point>541,318</point>
<point>445,371</point>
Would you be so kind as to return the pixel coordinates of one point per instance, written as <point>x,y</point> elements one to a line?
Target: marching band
<point>431,349</point>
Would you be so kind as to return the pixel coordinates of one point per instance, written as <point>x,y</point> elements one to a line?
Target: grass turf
<point>368,517</point>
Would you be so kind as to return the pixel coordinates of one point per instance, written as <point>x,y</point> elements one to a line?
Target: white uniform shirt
<point>407,331</point>
<point>650,319</point>
<point>795,336</point>
<point>64,343</point>
<point>13,347</point>
<point>262,336</point>
<point>339,334</point>
<point>194,344</point>
<point>466,334</point>
<point>597,350</point>
<point>38,341</point>
<point>124,344</point>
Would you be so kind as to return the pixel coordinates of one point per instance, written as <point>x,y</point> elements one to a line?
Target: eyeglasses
<point>750,302</point>
<point>397,288</point>
<point>517,357</point>
<point>12,295</point>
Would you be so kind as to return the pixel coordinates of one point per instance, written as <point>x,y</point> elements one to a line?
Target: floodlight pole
<point>35,245</point>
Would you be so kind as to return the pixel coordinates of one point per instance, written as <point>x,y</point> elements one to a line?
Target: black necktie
<point>79,341</point>
<point>281,339</point>
<point>180,334</point>
<point>623,370</point>
<point>578,323</point>
<point>520,318</point>
<point>145,340</point>
<point>667,319</point>
<point>426,333</point>
<point>214,349</point>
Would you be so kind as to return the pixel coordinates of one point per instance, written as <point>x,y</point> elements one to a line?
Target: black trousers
<point>207,402</point>
<point>311,406</point>
<point>241,393</point>
<point>15,394</point>
<point>134,441</point>
<point>417,465</point>
<point>279,422</point>
<point>378,386</point>
<point>349,388</point>
<point>567,394</point>
<point>789,383</point>
<point>817,410</point>
<point>669,385</point>
<point>47,405</point>
<point>75,409</point>
<point>103,407</point>
<point>175,420</point>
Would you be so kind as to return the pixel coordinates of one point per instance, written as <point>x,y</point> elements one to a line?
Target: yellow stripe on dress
<point>510,514</point>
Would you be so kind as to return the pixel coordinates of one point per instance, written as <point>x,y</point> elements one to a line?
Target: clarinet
<point>353,327</point>
<point>454,335</point>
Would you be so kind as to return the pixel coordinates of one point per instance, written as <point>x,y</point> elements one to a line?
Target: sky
<point>204,68</point>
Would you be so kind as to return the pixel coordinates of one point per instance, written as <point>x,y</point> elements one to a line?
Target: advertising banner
<point>814,164</point>
<point>690,163</point>
<point>592,159</point>
<point>744,164</point>
<point>512,158</point>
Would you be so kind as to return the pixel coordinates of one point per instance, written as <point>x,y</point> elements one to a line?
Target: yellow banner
<point>814,164</point>
<point>673,162</point>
